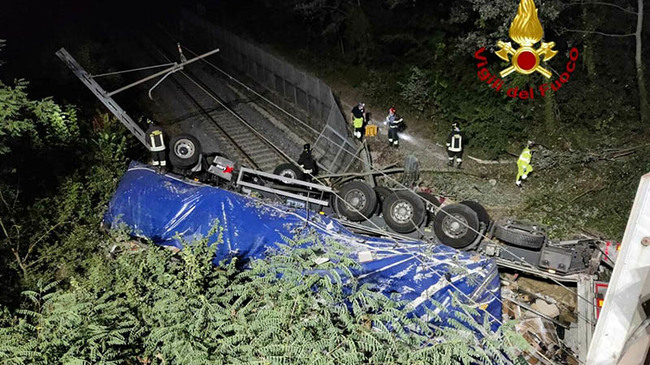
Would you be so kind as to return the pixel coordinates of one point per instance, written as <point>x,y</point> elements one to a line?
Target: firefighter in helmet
<point>307,162</point>
<point>524,168</point>
<point>359,120</point>
<point>455,144</point>
<point>156,143</point>
<point>394,122</point>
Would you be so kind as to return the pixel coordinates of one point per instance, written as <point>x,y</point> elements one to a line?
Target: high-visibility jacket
<point>525,157</point>
<point>358,117</point>
<point>155,139</point>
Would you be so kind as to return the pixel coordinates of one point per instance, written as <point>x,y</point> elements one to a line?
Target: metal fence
<point>295,90</point>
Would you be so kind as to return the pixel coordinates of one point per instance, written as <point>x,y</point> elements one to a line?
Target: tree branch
<point>605,3</point>
<point>4,201</point>
<point>33,244</point>
<point>601,33</point>
<point>13,250</point>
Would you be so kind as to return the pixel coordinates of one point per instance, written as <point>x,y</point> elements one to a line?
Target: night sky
<point>34,30</point>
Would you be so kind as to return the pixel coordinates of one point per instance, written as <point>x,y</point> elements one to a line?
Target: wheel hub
<point>184,148</point>
<point>288,173</point>
<point>356,199</point>
<point>402,212</point>
<point>455,226</point>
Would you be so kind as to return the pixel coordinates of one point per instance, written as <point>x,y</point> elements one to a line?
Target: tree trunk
<point>589,43</point>
<point>643,93</point>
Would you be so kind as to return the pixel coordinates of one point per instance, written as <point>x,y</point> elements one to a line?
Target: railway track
<point>223,120</point>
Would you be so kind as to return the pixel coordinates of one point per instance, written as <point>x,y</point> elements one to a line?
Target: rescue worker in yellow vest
<point>156,143</point>
<point>523,164</point>
<point>455,144</point>
<point>394,123</point>
<point>359,120</point>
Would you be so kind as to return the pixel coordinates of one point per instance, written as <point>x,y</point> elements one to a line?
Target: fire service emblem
<point>526,30</point>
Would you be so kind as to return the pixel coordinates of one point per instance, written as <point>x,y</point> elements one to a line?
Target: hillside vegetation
<point>418,56</point>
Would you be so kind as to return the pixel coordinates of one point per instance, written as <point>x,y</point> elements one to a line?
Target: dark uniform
<point>156,144</point>
<point>307,163</point>
<point>455,144</point>
<point>359,120</point>
<point>395,124</point>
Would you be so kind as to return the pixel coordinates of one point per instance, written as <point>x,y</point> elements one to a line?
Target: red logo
<point>525,30</point>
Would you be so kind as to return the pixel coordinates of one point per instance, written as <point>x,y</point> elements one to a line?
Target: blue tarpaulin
<point>161,207</point>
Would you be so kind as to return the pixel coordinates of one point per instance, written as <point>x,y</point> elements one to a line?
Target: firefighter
<point>307,163</point>
<point>455,143</point>
<point>359,120</point>
<point>523,164</point>
<point>156,143</point>
<point>394,122</point>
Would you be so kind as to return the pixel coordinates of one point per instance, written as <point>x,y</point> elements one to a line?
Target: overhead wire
<point>132,70</point>
<point>231,111</point>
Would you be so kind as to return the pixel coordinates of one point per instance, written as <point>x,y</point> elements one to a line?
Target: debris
<point>550,310</point>
<point>511,310</point>
<point>541,336</point>
<point>486,162</point>
<point>493,182</point>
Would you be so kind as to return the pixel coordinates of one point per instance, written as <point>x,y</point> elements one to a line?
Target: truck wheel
<point>403,211</point>
<point>288,170</point>
<point>356,201</point>
<point>382,193</point>
<point>456,225</point>
<point>184,151</point>
<point>483,216</point>
<point>432,204</point>
<point>532,240</point>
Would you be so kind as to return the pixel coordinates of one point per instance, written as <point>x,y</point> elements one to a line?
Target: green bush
<point>156,306</point>
<point>416,91</point>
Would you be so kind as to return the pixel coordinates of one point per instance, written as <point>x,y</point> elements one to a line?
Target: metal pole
<point>100,93</point>
<point>176,67</point>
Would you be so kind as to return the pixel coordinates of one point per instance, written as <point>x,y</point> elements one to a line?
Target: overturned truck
<point>425,277</point>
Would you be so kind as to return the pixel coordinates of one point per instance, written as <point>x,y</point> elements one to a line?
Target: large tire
<point>403,211</point>
<point>456,225</point>
<point>432,204</point>
<point>289,170</point>
<point>532,240</point>
<point>382,193</point>
<point>184,151</point>
<point>356,201</point>
<point>483,216</point>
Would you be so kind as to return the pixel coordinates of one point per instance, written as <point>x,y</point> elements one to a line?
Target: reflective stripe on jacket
<point>456,143</point>
<point>156,140</point>
<point>394,120</point>
<point>525,156</point>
